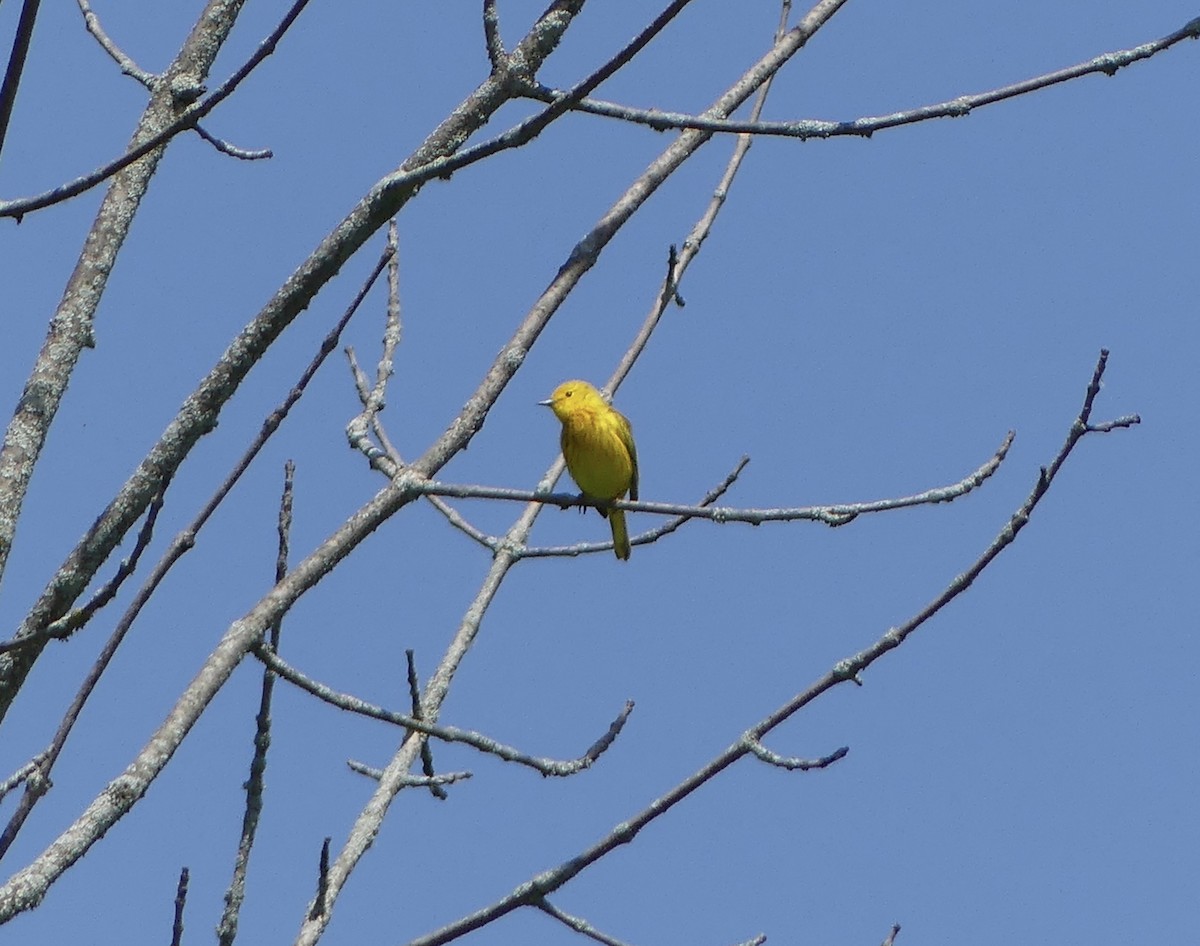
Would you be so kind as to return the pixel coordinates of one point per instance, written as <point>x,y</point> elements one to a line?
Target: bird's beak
<point>547,403</point>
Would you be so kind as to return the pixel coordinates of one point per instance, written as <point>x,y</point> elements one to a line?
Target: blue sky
<point>867,319</point>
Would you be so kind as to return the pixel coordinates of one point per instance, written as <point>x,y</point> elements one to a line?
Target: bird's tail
<point>616,520</point>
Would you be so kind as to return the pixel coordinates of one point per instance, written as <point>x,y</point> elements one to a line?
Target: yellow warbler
<point>597,443</point>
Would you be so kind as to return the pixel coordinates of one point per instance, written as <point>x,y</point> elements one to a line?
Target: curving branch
<point>414,695</point>
<point>792,763</point>
<point>254,786</point>
<point>491,35</point>
<point>804,129</point>
<point>344,701</point>
<point>24,774</point>
<point>70,623</point>
<point>242,154</point>
<point>577,924</point>
<point>128,67</point>
<point>22,38</point>
<point>431,782</point>
<point>833,515</point>
<point>181,892</point>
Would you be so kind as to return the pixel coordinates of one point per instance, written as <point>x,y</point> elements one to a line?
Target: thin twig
<point>891,937</point>
<point>651,535</point>
<point>834,515</point>
<point>345,701</point>
<point>358,439</point>
<point>318,905</point>
<point>793,763</point>
<point>804,129</point>
<point>644,538</point>
<point>65,626</point>
<point>22,775</point>
<point>497,55</point>
<point>242,154</point>
<point>181,890</point>
<point>578,924</point>
<point>493,543</point>
<point>22,37</point>
<point>678,262</point>
<point>413,781</point>
<point>128,66</point>
<point>414,695</point>
<point>359,428</point>
<point>235,894</point>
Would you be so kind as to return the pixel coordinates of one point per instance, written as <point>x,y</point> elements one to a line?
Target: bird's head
<point>573,397</point>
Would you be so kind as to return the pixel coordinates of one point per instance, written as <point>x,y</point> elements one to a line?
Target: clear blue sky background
<point>867,320</point>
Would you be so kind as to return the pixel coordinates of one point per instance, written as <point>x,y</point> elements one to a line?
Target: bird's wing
<point>626,432</point>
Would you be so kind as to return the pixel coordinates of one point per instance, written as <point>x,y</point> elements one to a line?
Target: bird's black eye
<point>568,393</point>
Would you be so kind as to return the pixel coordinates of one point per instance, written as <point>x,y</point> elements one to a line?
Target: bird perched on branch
<point>597,443</point>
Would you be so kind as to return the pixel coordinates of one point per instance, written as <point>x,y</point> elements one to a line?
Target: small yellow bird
<point>597,443</point>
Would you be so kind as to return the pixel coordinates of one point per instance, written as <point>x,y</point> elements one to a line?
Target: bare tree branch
<point>414,696</point>
<point>793,763</point>
<point>128,66</point>
<point>24,773</point>
<point>833,515</point>
<point>578,924</point>
<point>494,543</point>
<point>235,894</point>
<point>318,906</point>
<point>804,129</point>
<point>65,626</point>
<point>12,74</point>
<point>181,892</point>
<point>540,764</point>
<point>242,154</point>
<point>491,35</point>
<point>414,781</point>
